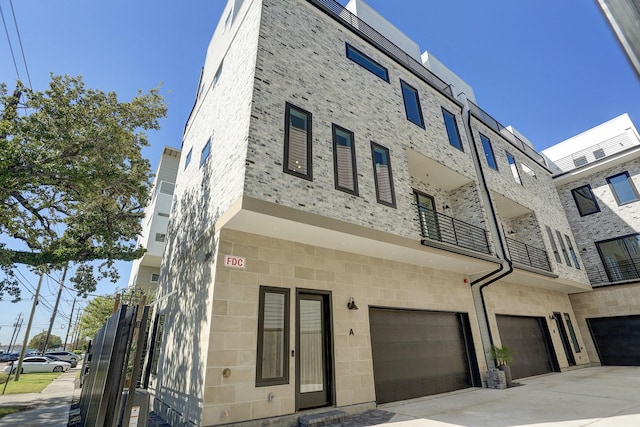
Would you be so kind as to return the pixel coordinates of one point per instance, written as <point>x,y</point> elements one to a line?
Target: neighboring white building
<point>598,176</point>
<point>145,271</point>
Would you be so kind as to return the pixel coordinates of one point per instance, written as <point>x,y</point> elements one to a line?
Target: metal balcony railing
<point>528,255</point>
<point>623,270</point>
<point>443,228</point>
<point>338,12</point>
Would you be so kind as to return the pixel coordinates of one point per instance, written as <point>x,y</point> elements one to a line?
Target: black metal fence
<point>623,270</point>
<point>528,255</point>
<point>437,226</point>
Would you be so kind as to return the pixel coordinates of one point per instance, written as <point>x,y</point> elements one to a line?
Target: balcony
<point>622,271</point>
<point>443,228</point>
<point>528,255</point>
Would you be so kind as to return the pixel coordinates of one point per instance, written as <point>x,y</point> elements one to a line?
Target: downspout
<point>495,275</point>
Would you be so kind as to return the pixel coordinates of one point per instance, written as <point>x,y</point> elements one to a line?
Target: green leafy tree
<point>37,342</point>
<point>73,182</point>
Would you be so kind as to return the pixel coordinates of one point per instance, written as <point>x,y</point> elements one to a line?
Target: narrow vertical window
<point>272,363</point>
<point>344,160</point>
<point>488,152</point>
<point>585,200</point>
<point>574,257</point>
<point>412,104</point>
<point>216,77</point>
<point>382,175</point>
<point>297,142</point>
<point>452,129</point>
<point>187,159</point>
<point>572,333</point>
<point>514,168</point>
<point>563,248</point>
<point>556,254</point>
<point>623,189</point>
<point>204,155</point>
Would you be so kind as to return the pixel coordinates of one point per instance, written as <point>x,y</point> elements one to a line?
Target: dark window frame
<point>563,248</point>
<point>512,162</point>
<point>631,184</point>
<point>592,197</point>
<point>572,252</point>
<point>187,159</point>
<point>366,62</point>
<point>375,145</point>
<point>205,153</point>
<point>605,265</point>
<point>446,113</point>
<point>287,120</point>
<point>354,171</point>
<point>554,246</point>
<point>488,154</point>
<point>572,333</point>
<point>284,379</point>
<point>416,98</point>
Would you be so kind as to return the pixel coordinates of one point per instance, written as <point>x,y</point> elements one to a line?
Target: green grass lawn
<point>11,409</point>
<point>28,383</point>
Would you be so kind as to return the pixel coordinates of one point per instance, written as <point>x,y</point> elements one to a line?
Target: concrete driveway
<point>595,397</point>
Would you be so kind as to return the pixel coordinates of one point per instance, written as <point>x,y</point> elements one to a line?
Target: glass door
<point>428,216</point>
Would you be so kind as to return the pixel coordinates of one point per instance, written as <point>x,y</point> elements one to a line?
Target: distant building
<point>145,271</point>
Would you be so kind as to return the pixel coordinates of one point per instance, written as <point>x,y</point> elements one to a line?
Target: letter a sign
<point>234,261</point>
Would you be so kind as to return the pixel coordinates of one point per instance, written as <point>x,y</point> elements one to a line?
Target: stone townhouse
<point>350,228</point>
<point>597,174</point>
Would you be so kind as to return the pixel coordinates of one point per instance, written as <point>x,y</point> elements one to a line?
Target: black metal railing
<point>443,228</point>
<point>338,12</point>
<point>623,270</point>
<point>528,255</point>
<point>486,118</point>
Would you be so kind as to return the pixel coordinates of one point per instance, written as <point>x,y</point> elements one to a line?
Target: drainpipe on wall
<point>478,285</point>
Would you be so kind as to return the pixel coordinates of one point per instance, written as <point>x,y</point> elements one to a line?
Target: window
<point>216,77</point>
<point>155,277</point>
<point>452,129</point>
<point>572,332</point>
<point>572,252</point>
<point>526,169</point>
<point>563,248</point>
<point>167,187</point>
<point>364,61</point>
<point>514,168</point>
<point>580,161</point>
<point>272,363</point>
<point>553,243</point>
<point>412,104</point>
<point>382,175</point>
<point>428,217</point>
<point>344,160</point>
<point>204,154</point>
<point>585,200</point>
<point>187,160</point>
<point>621,257</point>
<point>160,237</point>
<point>623,189</point>
<point>163,214</point>
<point>297,142</point>
<point>488,152</point>
<point>598,154</point>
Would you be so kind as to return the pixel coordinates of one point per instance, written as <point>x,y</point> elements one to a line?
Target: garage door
<point>617,339</point>
<point>419,353</point>
<point>529,338</point>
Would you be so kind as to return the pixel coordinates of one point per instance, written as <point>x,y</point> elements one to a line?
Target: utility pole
<point>76,331</point>
<point>16,330</point>
<point>28,331</point>
<point>64,345</point>
<point>55,309</point>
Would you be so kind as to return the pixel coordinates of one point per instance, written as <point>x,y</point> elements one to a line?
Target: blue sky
<point>552,69</point>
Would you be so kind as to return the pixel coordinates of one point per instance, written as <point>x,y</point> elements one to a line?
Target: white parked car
<point>65,356</point>
<point>38,364</point>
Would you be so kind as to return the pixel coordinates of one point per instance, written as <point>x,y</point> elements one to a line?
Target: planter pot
<point>507,373</point>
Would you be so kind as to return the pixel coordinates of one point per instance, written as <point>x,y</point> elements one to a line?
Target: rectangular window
<point>216,77</point>
<point>585,200</point>
<point>155,277</point>
<point>272,363</point>
<point>553,243</point>
<point>187,159</point>
<point>598,154</point>
<point>412,104</point>
<point>167,187</point>
<point>580,161</point>
<point>488,152</point>
<point>364,61</point>
<point>574,257</point>
<point>163,214</point>
<point>297,142</point>
<point>514,168</point>
<point>621,257</point>
<point>204,154</point>
<point>452,129</point>
<point>160,237</point>
<point>563,248</point>
<point>344,160</point>
<point>623,188</point>
<point>572,332</point>
<point>382,175</point>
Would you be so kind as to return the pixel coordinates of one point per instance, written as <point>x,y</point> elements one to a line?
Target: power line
<point>24,58</point>
<point>6,31</point>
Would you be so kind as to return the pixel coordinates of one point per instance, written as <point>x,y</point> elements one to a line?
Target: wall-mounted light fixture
<point>351,305</point>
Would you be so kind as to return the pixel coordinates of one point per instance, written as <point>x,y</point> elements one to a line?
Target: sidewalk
<point>50,407</point>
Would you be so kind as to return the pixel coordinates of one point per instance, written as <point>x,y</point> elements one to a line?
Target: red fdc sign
<point>234,261</point>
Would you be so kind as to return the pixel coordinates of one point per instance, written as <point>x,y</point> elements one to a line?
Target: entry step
<point>322,418</point>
